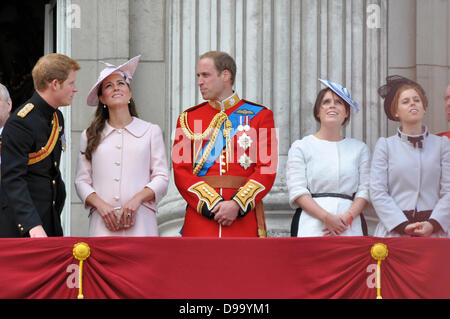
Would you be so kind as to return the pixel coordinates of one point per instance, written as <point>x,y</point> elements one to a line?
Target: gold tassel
<point>379,252</point>
<point>81,252</point>
<point>227,133</point>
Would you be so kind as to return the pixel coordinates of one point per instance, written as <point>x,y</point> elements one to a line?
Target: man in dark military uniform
<point>32,188</point>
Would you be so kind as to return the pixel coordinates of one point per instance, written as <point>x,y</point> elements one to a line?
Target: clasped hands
<point>336,224</point>
<point>419,229</point>
<point>225,212</point>
<point>116,218</point>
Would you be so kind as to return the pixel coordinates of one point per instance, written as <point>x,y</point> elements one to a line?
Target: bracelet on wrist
<point>351,218</point>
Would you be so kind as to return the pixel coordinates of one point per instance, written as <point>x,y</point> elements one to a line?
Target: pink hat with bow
<point>126,70</point>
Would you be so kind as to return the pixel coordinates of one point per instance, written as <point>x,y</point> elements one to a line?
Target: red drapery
<point>191,268</point>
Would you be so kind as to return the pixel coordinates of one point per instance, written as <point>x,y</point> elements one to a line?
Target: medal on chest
<point>244,127</point>
<point>63,142</point>
<point>244,141</point>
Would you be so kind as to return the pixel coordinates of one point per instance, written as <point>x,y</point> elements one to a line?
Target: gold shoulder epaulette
<point>25,110</point>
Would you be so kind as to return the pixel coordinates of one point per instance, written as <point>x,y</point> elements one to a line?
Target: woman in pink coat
<point>122,165</point>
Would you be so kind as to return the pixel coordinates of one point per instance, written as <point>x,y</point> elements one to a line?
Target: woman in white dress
<point>328,175</point>
<point>410,173</point>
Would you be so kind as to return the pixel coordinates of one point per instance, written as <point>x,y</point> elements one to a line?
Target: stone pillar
<point>103,36</point>
<point>433,58</point>
<point>147,31</point>
<point>402,43</point>
<point>281,49</point>
<point>419,48</point>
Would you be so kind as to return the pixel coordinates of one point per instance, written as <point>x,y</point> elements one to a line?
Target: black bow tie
<point>416,141</point>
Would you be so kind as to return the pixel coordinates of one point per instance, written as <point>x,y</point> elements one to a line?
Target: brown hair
<point>94,131</point>
<point>50,67</point>
<point>400,90</point>
<point>222,61</point>
<point>318,103</point>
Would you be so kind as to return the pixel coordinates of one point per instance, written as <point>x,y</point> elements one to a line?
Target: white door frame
<point>63,46</point>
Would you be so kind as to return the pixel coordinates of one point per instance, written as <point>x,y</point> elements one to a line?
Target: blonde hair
<point>50,67</point>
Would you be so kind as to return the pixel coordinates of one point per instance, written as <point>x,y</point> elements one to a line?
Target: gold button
<point>20,225</point>
<point>224,171</point>
<point>53,182</point>
<point>21,229</point>
<point>54,203</point>
<point>56,164</point>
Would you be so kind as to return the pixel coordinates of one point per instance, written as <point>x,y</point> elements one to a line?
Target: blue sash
<point>220,143</point>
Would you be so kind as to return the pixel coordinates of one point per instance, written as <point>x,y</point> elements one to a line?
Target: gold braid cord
<point>48,148</point>
<point>215,125</point>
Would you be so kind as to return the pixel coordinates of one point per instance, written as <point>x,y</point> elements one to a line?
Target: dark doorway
<point>21,45</point>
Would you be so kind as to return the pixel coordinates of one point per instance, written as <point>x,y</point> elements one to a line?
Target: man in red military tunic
<point>225,156</point>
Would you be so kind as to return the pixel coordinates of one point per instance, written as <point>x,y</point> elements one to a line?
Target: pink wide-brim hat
<point>126,70</point>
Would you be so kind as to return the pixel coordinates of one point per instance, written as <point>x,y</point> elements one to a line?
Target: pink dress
<point>126,161</point>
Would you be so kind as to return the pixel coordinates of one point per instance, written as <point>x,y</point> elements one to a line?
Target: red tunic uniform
<point>251,154</point>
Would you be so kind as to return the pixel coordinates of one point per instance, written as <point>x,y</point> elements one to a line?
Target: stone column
<point>147,38</point>
<point>103,36</point>
<point>402,43</point>
<point>433,58</point>
<point>281,49</point>
<point>419,48</point>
